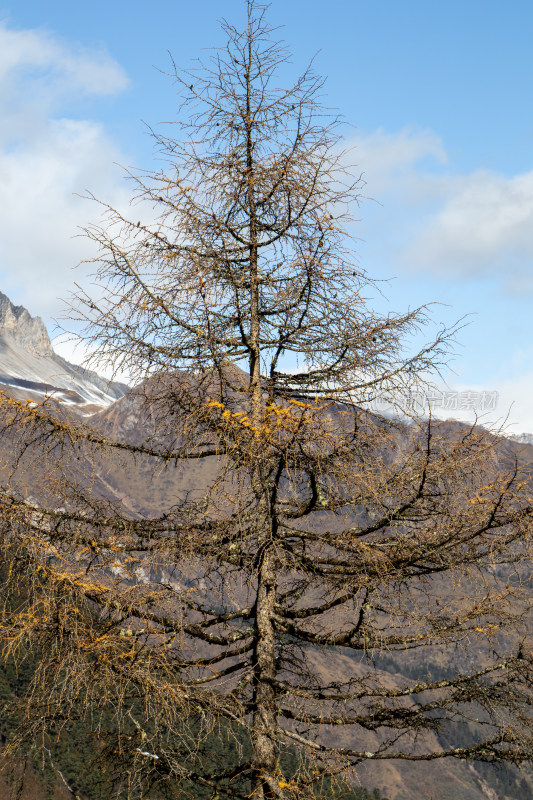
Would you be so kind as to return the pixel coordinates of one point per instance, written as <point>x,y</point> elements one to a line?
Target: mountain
<point>522,438</point>
<point>30,369</point>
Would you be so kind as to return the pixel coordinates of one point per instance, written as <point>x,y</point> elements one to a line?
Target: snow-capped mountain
<point>522,438</point>
<point>30,369</point>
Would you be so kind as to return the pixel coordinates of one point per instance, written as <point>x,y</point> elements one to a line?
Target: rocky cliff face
<point>31,370</point>
<point>29,332</point>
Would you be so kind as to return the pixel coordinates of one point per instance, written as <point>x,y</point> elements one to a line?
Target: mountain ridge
<point>31,370</point>
<point>144,490</point>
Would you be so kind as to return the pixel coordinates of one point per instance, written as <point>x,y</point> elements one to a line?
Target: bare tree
<point>314,540</point>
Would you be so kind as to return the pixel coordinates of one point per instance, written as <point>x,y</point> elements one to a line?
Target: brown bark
<point>264,726</point>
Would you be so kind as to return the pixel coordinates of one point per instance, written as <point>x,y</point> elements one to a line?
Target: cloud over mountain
<point>47,158</point>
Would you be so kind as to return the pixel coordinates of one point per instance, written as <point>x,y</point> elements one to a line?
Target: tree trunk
<point>264,721</point>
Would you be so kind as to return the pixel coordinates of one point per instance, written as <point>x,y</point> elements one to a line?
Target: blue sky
<point>439,101</point>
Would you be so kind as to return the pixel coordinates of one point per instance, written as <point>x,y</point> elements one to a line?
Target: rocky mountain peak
<point>30,370</point>
<point>27,331</point>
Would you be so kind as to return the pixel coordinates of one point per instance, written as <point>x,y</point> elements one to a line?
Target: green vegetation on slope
<point>75,755</point>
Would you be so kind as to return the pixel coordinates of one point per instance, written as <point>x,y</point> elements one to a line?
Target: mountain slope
<point>145,489</point>
<point>30,369</point>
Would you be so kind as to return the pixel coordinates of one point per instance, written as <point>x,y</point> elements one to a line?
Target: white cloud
<point>46,159</point>
<point>485,223</point>
<point>41,213</point>
<point>505,404</point>
<point>389,160</point>
<point>54,67</point>
<point>443,223</point>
